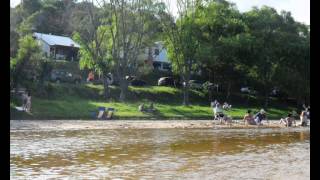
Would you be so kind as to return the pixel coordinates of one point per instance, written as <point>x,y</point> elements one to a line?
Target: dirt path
<point>130,124</point>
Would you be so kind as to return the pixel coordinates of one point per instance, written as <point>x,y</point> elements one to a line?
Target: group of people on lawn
<point>218,110</point>
<point>250,119</point>
<point>143,108</point>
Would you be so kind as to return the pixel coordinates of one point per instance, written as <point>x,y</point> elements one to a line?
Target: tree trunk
<point>210,93</point>
<point>212,77</point>
<point>106,88</point>
<point>266,103</point>
<point>228,91</point>
<point>123,89</point>
<point>186,87</point>
<point>186,95</point>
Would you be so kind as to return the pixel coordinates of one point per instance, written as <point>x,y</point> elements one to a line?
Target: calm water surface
<point>161,154</point>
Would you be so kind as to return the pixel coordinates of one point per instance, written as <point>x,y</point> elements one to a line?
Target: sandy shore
<point>128,124</point>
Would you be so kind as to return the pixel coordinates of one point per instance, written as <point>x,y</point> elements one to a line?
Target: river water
<point>161,154</point>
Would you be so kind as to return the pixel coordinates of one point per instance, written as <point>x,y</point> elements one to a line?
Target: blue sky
<point>300,9</point>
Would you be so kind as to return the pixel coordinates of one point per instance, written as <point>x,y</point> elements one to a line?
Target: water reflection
<point>146,153</point>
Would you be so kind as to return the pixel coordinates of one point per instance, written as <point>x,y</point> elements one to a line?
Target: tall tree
<point>130,33</point>
<point>93,42</point>
<point>181,41</point>
<point>221,30</point>
<point>30,6</point>
<point>279,51</point>
<point>26,65</point>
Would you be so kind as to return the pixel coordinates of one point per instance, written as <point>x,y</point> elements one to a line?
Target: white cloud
<point>14,3</point>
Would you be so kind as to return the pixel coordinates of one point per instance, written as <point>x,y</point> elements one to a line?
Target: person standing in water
<point>28,102</point>
<point>303,118</point>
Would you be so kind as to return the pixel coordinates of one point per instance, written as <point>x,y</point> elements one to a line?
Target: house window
<point>156,65</point>
<point>166,66</point>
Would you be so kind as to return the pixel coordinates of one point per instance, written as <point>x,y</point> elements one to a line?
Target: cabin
<point>160,59</point>
<point>156,56</point>
<point>58,47</point>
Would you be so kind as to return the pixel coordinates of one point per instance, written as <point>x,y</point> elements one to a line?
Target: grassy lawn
<point>81,101</point>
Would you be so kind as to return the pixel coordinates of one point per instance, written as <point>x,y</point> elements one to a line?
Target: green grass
<point>80,101</point>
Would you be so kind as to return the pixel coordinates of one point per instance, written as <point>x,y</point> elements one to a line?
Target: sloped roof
<point>56,40</point>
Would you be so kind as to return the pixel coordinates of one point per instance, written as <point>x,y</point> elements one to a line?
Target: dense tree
<point>28,7</point>
<point>25,67</point>
<point>278,48</point>
<point>221,30</point>
<point>130,31</point>
<point>94,46</point>
<point>181,42</point>
<point>15,20</point>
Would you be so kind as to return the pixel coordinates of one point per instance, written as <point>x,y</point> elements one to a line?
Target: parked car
<point>134,81</point>
<point>278,93</point>
<point>166,81</point>
<point>130,78</point>
<point>195,84</point>
<point>248,90</point>
<point>137,82</point>
<point>64,76</point>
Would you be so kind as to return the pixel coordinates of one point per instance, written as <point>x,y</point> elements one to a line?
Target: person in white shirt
<point>218,112</point>
<point>28,102</point>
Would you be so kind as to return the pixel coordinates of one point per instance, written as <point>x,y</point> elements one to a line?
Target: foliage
<point>181,41</point>
<point>279,51</point>
<point>26,66</point>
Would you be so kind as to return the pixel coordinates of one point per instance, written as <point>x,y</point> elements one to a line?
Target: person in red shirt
<point>90,77</point>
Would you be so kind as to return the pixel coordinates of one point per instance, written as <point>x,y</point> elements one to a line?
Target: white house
<point>156,56</point>
<point>58,47</point>
<point>160,58</point>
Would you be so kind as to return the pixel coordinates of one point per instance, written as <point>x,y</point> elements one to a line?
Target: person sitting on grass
<point>151,108</point>
<point>226,106</point>
<point>248,119</point>
<point>214,103</point>
<point>141,107</point>
<point>288,120</point>
<point>90,77</point>
<point>261,115</point>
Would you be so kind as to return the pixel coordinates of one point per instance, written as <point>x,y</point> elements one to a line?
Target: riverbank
<point>129,124</point>
<point>67,101</point>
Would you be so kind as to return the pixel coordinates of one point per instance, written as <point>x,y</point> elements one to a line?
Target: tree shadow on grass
<point>155,114</point>
<point>276,114</point>
<point>189,114</point>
